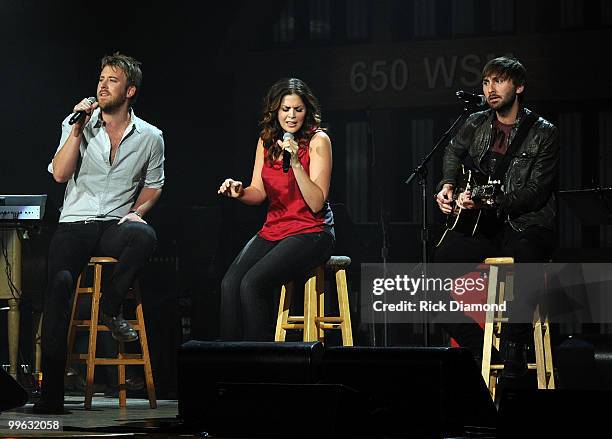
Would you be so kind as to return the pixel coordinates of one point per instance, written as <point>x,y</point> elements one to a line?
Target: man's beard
<point>506,104</point>
<point>112,105</point>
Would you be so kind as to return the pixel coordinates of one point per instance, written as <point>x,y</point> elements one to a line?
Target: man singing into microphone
<point>113,163</point>
<point>293,174</point>
<point>510,143</point>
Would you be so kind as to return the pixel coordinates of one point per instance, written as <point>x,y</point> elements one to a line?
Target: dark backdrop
<point>206,67</point>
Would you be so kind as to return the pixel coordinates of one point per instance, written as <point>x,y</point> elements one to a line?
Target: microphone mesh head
<point>287,136</point>
<point>92,99</point>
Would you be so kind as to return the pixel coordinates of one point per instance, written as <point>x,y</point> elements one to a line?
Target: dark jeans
<point>533,245</point>
<point>261,266</point>
<point>71,247</point>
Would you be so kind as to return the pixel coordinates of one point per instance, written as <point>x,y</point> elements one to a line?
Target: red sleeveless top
<point>288,213</point>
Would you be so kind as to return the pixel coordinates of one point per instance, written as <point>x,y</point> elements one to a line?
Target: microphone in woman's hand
<point>287,154</point>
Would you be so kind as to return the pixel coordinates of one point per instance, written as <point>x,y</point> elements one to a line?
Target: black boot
<point>51,400</point>
<point>514,373</point>
<point>49,407</point>
<point>514,354</point>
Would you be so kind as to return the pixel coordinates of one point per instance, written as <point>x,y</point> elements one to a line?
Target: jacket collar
<point>520,116</point>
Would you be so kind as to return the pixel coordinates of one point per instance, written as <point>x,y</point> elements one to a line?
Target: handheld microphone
<point>287,154</point>
<point>471,98</point>
<point>79,114</point>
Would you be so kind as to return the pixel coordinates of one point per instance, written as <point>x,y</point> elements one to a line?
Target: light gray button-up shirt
<point>99,190</point>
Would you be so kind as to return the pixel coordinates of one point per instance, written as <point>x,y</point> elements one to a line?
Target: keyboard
<point>22,207</point>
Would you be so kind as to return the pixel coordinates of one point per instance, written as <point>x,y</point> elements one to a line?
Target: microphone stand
<point>384,250</point>
<point>384,253</point>
<point>420,174</point>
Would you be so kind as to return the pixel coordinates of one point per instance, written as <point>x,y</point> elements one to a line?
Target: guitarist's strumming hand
<point>464,201</point>
<point>445,199</point>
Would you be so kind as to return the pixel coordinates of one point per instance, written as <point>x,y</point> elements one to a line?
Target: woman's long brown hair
<point>271,130</point>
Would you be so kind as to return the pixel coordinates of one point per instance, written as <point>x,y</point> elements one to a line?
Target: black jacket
<point>531,177</point>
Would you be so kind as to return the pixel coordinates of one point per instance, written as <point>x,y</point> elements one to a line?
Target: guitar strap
<point>519,138</point>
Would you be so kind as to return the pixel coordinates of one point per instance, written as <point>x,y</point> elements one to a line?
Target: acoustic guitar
<point>483,190</point>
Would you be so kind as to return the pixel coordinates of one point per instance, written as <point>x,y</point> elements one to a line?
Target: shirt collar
<point>522,112</point>
<point>96,120</point>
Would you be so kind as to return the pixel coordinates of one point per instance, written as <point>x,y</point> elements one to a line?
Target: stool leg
<point>144,346</point>
<point>13,335</point>
<point>538,339</point>
<point>310,309</point>
<point>93,335</point>
<point>497,325</point>
<point>548,361</point>
<point>488,329</point>
<point>320,273</point>
<point>71,328</point>
<point>37,329</point>
<point>344,308</point>
<point>283,311</point>
<point>121,374</point>
<point>497,329</point>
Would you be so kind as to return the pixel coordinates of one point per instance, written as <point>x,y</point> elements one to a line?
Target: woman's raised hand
<point>231,188</point>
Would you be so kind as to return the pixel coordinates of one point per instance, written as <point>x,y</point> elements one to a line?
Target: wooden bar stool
<point>501,280</point>
<point>314,322</point>
<point>93,325</point>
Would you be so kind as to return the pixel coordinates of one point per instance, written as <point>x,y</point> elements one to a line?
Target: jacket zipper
<point>512,135</point>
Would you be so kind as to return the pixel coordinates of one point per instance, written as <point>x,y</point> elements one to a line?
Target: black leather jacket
<point>531,177</point>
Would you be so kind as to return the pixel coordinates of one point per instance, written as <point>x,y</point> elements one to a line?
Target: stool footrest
<point>530,366</point>
<point>295,319</point>
<point>126,357</point>
<point>115,362</point>
<point>320,325</point>
<point>293,326</point>
<point>329,326</point>
<point>86,324</point>
<point>496,368</point>
<point>329,319</point>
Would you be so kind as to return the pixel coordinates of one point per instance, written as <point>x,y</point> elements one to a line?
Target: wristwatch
<point>135,212</point>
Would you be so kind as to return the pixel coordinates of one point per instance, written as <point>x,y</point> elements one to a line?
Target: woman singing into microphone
<point>298,233</point>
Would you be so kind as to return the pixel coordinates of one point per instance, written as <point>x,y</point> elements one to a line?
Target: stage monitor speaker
<point>415,390</point>
<point>584,362</point>
<point>302,390</point>
<point>238,387</point>
<point>554,413</point>
<point>12,395</point>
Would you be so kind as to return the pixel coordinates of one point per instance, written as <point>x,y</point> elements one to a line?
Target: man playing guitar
<point>509,143</point>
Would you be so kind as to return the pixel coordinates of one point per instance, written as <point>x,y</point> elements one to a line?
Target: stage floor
<point>105,419</point>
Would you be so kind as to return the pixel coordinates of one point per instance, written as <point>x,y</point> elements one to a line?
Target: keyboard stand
<point>11,243</point>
